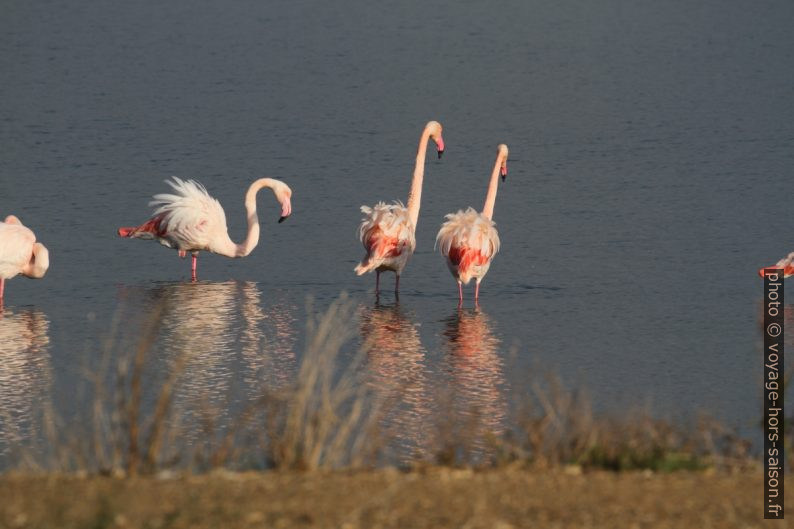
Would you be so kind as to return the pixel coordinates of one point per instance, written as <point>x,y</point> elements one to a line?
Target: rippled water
<point>650,151</point>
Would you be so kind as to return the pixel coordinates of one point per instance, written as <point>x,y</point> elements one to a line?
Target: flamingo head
<point>502,153</point>
<point>284,196</point>
<point>435,128</point>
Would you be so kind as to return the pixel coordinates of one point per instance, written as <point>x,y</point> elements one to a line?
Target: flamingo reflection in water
<point>398,375</point>
<point>475,367</point>
<point>196,330</point>
<point>25,374</point>
<point>217,338</point>
<point>268,340</point>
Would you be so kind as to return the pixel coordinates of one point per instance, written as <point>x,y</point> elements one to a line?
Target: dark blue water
<point>651,145</point>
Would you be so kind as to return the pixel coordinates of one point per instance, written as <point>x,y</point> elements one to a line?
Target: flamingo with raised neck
<point>469,240</point>
<point>190,220</point>
<point>387,231</point>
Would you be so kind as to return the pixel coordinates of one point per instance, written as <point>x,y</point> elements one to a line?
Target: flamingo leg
<point>477,292</point>
<point>377,282</point>
<point>460,293</point>
<point>397,285</point>
<point>2,288</point>
<point>193,268</point>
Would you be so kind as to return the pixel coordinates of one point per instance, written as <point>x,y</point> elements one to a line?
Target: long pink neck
<point>415,196</point>
<point>490,198</point>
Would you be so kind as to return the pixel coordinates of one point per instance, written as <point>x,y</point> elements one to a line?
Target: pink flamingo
<point>20,253</point>
<point>468,239</point>
<point>387,230</point>
<point>191,220</point>
<point>787,264</point>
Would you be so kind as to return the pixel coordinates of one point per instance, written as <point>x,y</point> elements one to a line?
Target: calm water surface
<point>651,145</point>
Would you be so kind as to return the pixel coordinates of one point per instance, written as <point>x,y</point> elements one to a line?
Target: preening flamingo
<point>787,264</point>
<point>387,230</point>
<point>20,253</point>
<point>190,220</point>
<point>468,239</point>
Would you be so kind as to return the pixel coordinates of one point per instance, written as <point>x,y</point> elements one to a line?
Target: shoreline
<point>428,497</point>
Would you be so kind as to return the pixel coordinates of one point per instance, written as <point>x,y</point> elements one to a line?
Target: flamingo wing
<point>189,216</point>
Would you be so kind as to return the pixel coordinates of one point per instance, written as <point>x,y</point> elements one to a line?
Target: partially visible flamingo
<point>387,230</point>
<point>191,220</point>
<point>787,264</point>
<point>20,253</point>
<point>468,239</point>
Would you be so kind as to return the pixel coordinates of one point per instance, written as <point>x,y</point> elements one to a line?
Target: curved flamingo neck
<point>252,236</point>
<point>415,195</point>
<point>490,198</point>
<point>231,249</point>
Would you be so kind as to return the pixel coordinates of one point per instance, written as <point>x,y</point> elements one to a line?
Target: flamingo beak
<point>286,210</point>
<point>440,145</point>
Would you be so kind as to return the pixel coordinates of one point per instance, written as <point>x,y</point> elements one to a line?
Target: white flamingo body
<point>387,230</point>
<point>469,240</point>
<point>16,249</point>
<point>190,220</point>
<point>20,253</point>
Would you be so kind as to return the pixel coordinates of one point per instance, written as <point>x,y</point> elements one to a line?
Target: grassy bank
<point>320,445</point>
<point>438,497</point>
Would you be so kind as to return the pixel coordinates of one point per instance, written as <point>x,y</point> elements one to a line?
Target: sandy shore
<point>388,498</point>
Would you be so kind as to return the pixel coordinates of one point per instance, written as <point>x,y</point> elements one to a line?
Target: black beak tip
<point>504,177</point>
<point>281,219</point>
<point>440,154</point>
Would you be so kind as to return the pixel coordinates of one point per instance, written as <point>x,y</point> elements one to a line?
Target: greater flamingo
<point>787,264</point>
<point>468,239</point>
<point>20,253</point>
<point>191,220</point>
<point>387,230</point>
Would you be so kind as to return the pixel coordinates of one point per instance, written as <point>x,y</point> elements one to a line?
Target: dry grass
<point>330,418</point>
<point>437,498</point>
<point>557,426</point>
<point>325,419</point>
